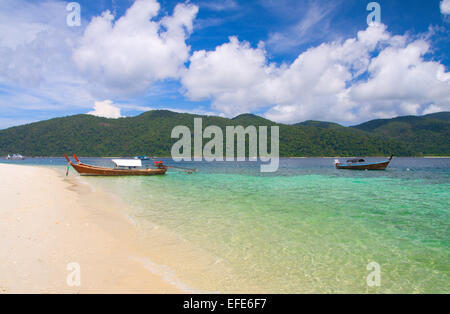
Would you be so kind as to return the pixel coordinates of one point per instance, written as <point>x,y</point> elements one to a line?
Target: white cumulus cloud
<point>105,109</point>
<point>233,76</point>
<point>445,7</point>
<point>433,108</point>
<point>38,79</point>
<point>50,69</point>
<point>129,54</point>
<point>401,81</point>
<point>372,75</point>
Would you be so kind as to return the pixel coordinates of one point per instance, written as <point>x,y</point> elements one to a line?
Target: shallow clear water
<point>308,227</point>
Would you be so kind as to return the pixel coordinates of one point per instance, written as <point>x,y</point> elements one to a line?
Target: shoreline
<point>48,222</point>
<point>169,157</point>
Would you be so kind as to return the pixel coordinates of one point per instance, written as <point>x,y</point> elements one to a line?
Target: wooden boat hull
<point>88,170</point>
<point>374,166</point>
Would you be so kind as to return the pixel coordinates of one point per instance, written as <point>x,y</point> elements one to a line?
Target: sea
<point>307,228</point>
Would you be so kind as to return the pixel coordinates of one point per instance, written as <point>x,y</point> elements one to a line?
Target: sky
<point>286,60</point>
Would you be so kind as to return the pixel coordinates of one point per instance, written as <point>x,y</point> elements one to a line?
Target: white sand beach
<point>47,223</point>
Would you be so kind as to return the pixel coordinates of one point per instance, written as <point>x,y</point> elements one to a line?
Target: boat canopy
<point>127,162</point>
<point>355,160</point>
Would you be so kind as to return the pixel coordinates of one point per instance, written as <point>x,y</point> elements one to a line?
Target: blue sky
<point>286,60</point>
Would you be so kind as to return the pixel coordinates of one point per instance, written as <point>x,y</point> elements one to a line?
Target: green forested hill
<point>444,116</point>
<point>149,134</point>
<point>319,124</point>
<point>427,134</point>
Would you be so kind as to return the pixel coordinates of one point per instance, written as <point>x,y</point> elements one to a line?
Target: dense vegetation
<point>149,134</point>
<point>428,135</point>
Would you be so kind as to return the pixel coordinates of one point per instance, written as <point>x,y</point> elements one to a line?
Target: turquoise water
<point>306,228</point>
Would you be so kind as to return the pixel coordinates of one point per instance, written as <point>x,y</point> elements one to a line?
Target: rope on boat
<point>187,170</point>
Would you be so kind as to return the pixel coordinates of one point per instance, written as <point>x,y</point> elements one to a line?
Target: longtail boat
<point>15,157</point>
<point>361,164</point>
<point>123,168</point>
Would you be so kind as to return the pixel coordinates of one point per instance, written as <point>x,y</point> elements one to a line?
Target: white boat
<point>15,157</point>
<point>142,158</point>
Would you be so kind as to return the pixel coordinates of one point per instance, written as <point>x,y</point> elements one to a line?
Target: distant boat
<point>361,164</point>
<point>142,158</point>
<point>124,167</point>
<point>15,157</point>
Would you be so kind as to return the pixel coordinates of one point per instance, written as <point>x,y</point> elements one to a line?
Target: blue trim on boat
<point>358,164</point>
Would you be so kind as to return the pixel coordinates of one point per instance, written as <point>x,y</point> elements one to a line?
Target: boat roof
<point>356,160</point>
<point>127,162</point>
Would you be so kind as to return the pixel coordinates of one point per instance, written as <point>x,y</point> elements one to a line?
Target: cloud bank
<point>129,54</point>
<point>46,65</point>
<point>372,75</point>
